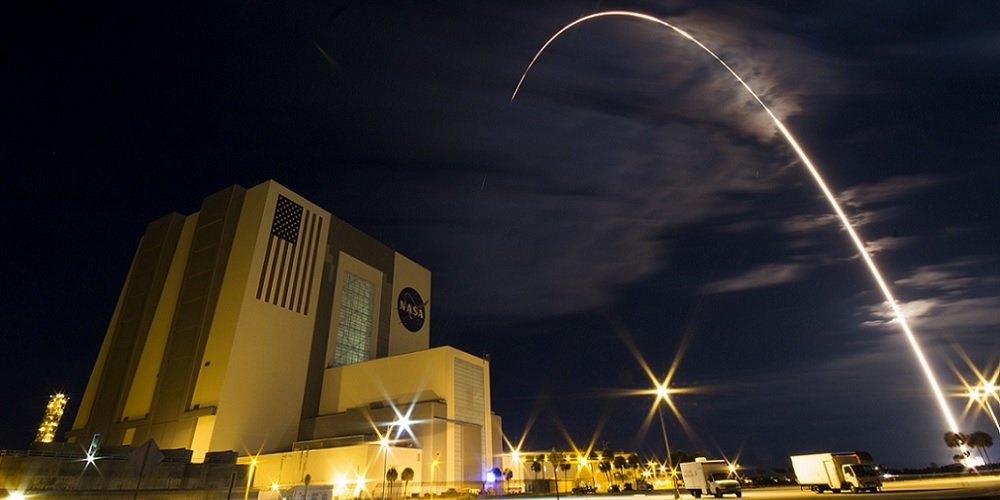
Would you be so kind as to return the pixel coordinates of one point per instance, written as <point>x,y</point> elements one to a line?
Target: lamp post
<point>402,423</point>
<point>384,444</point>
<point>434,465</point>
<point>251,472</point>
<point>515,459</point>
<point>982,394</point>
<point>662,393</point>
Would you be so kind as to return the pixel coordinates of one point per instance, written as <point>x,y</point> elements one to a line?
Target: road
<point>979,487</point>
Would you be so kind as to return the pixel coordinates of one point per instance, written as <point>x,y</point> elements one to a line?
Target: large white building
<point>264,325</point>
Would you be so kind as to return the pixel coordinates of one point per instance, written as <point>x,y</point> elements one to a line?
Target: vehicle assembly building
<point>266,326</point>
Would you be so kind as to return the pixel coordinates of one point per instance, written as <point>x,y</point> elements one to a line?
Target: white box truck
<point>709,477</point>
<point>835,472</point>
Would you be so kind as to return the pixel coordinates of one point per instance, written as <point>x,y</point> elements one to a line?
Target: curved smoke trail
<point>812,170</point>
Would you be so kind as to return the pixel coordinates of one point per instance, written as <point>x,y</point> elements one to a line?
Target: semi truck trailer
<point>835,472</point>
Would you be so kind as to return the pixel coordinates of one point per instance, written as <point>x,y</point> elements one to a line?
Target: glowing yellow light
<point>274,487</point>
<point>340,485</point>
<point>981,394</point>
<point>918,352</point>
<point>50,421</point>
<point>662,393</point>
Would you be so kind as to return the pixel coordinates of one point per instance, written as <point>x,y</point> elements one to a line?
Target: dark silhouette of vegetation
<point>391,475</point>
<point>981,441</point>
<point>957,440</point>
<point>605,465</point>
<point>954,439</point>
<point>406,477</point>
<point>619,465</point>
<point>536,467</point>
<point>633,465</point>
<point>557,459</point>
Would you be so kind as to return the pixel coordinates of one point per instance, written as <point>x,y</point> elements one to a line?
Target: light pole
<point>982,394</point>
<point>515,459</point>
<point>662,393</point>
<point>384,445</point>
<point>401,424</point>
<point>433,471</point>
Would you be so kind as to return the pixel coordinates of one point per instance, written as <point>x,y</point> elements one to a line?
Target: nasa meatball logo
<point>411,309</point>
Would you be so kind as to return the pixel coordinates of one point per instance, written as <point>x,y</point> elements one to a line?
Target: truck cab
<point>861,477</point>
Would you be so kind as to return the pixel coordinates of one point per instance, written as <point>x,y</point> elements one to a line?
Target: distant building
<point>264,325</point>
<point>53,415</point>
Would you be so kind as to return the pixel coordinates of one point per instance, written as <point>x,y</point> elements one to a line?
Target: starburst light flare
<point>917,351</point>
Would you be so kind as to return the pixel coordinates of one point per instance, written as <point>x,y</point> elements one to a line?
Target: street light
<point>981,394</point>
<point>384,445</point>
<point>403,424</point>
<point>434,466</point>
<point>662,394</point>
<point>516,463</point>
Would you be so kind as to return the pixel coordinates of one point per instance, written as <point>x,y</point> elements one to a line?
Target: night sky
<point>632,195</point>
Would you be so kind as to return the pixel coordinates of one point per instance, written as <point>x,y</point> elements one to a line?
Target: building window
<point>354,328</point>
<point>470,403</point>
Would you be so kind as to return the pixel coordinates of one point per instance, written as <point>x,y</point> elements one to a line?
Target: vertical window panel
<point>354,327</point>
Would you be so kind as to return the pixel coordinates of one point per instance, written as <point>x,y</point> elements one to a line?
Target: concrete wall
<point>117,478</point>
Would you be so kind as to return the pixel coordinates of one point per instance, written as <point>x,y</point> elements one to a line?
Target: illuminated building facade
<point>53,415</point>
<point>264,325</point>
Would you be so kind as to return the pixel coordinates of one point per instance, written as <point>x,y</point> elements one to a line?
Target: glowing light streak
<point>918,352</point>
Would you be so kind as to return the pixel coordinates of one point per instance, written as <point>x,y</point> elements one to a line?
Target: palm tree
<point>406,477</point>
<point>605,467</point>
<point>954,439</point>
<point>620,464</point>
<point>556,458</point>
<point>987,443</point>
<point>633,465</point>
<point>565,467</point>
<point>957,440</point>
<point>391,475</point>
<point>536,467</point>
<point>980,440</point>
<point>606,457</point>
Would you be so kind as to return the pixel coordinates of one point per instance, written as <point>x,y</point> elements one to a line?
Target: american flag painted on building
<point>286,277</point>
